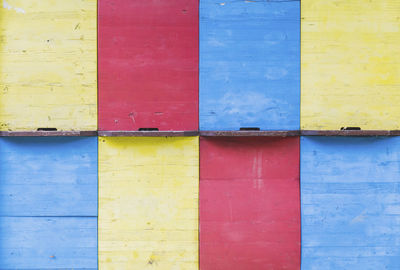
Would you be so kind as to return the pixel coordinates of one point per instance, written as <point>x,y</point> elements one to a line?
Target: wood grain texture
<point>48,66</point>
<point>249,203</point>
<point>350,64</point>
<point>148,64</point>
<point>48,176</point>
<point>350,193</point>
<point>249,65</point>
<point>48,203</point>
<point>48,243</point>
<point>148,203</point>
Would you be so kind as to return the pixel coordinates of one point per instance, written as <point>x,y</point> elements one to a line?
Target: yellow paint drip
<point>148,203</point>
<point>48,66</point>
<point>350,64</point>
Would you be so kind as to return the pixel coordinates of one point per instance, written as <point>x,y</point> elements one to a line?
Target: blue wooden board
<point>48,203</point>
<point>48,243</point>
<point>249,64</point>
<point>54,176</point>
<point>350,203</point>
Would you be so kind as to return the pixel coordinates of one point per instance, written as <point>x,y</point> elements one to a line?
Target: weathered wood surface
<point>148,203</point>
<point>148,133</point>
<point>249,203</point>
<point>48,176</point>
<point>350,203</point>
<point>48,67</point>
<point>350,64</point>
<point>48,243</point>
<point>148,64</point>
<point>358,133</point>
<point>47,133</point>
<point>274,133</point>
<point>48,203</point>
<point>249,65</point>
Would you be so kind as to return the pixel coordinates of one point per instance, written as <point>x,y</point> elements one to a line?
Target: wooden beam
<point>358,133</point>
<point>47,133</point>
<point>266,133</point>
<point>148,133</point>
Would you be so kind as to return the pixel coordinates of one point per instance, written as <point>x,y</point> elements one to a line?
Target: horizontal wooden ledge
<point>251,133</point>
<point>291,133</point>
<point>356,133</point>
<point>47,133</point>
<point>148,133</point>
<point>265,133</point>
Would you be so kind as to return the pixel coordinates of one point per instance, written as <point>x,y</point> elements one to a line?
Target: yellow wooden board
<point>148,203</point>
<point>350,64</point>
<point>48,65</point>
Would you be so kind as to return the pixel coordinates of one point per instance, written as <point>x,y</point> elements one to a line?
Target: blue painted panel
<point>249,64</point>
<point>350,199</point>
<point>54,176</point>
<point>48,243</point>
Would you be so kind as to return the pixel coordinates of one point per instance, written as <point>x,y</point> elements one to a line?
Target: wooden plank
<point>148,133</point>
<point>47,133</point>
<point>277,133</point>
<point>249,65</point>
<point>48,243</point>
<point>350,191</point>
<point>48,176</point>
<point>350,64</point>
<point>148,65</point>
<point>148,203</point>
<point>48,68</point>
<point>350,133</point>
<point>249,203</point>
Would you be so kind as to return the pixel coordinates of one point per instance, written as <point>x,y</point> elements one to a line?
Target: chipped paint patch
<point>9,7</point>
<point>275,73</point>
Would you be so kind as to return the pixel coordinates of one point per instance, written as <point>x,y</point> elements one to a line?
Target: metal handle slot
<point>350,128</point>
<point>249,129</point>
<point>46,129</point>
<point>148,129</point>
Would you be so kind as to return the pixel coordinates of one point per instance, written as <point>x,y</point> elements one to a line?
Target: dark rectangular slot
<point>46,129</point>
<point>350,128</point>
<point>249,129</point>
<point>148,129</point>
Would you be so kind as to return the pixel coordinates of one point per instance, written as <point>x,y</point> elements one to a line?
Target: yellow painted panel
<point>148,203</point>
<point>48,64</point>
<point>350,64</point>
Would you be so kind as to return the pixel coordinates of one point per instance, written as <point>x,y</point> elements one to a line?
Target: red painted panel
<point>148,64</point>
<point>249,203</point>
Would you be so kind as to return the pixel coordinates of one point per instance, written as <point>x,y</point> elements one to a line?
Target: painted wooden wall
<point>350,64</point>
<point>249,203</point>
<point>48,65</point>
<point>148,203</point>
<point>148,64</point>
<point>249,65</point>
<point>350,191</point>
<point>48,203</point>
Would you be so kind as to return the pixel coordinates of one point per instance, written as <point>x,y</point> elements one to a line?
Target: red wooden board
<point>249,203</point>
<point>148,64</point>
